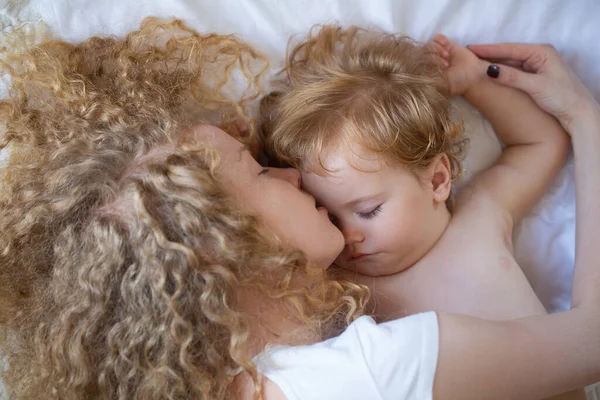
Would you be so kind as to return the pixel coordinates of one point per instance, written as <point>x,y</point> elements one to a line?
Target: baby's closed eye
<point>370,214</point>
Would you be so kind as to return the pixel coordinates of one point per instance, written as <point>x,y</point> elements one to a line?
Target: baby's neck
<point>436,229</point>
<point>444,221</point>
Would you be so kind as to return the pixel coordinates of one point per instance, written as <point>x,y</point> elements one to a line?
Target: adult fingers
<point>515,78</point>
<point>523,66</point>
<point>506,61</point>
<point>511,51</point>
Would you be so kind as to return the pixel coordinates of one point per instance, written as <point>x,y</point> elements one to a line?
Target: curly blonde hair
<point>122,255</point>
<point>352,86</point>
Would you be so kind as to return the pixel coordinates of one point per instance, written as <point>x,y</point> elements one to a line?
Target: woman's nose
<point>292,175</point>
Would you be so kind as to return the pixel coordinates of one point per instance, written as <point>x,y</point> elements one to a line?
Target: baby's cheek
<point>397,235</point>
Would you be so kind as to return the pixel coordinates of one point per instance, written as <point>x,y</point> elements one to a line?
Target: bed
<point>544,241</point>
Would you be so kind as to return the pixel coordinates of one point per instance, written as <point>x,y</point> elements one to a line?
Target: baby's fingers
<point>442,40</point>
<point>439,49</point>
<point>437,54</point>
<point>437,60</point>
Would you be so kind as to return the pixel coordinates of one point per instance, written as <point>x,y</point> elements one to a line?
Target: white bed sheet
<point>544,241</point>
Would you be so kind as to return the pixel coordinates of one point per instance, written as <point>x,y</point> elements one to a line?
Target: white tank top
<point>394,360</point>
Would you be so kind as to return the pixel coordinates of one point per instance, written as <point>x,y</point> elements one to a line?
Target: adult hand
<point>539,71</point>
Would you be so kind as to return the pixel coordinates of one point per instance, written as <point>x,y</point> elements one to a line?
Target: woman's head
<point>348,87</point>
<point>127,253</point>
<point>275,195</point>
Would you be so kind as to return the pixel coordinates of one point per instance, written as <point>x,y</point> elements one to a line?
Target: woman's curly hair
<point>121,255</point>
<point>342,86</point>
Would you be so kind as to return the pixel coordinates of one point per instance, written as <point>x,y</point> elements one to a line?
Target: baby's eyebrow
<point>360,200</point>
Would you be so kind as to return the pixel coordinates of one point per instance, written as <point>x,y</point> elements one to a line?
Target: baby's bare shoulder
<point>478,217</point>
<point>476,233</point>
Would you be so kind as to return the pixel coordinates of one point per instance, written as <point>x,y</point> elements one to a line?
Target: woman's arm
<point>530,358</point>
<point>539,356</point>
<point>586,146</point>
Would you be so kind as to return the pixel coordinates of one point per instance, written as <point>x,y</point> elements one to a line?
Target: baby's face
<point>385,213</point>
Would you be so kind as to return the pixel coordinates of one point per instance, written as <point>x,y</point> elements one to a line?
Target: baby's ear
<point>440,176</point>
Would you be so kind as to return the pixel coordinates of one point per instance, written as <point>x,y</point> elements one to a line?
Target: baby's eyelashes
<point>370,214</point>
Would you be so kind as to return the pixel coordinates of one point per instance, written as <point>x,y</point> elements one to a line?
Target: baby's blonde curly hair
<point>352,86</point>
<point>121,254</point>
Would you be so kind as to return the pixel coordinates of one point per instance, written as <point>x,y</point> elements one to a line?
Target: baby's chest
<point>481,281</point>
<point>470,246</point>
<point>472,265</point>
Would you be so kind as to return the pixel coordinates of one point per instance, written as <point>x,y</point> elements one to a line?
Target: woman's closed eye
<point>333,219</point>
<point>370,214</point>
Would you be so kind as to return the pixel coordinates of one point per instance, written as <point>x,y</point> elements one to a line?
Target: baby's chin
<point>370,265</point>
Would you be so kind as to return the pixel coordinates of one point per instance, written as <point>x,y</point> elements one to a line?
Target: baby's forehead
<point>344,160</point>
<point>344,177</point>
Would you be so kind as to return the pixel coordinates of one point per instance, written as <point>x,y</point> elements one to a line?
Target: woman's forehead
<point>216,137</point>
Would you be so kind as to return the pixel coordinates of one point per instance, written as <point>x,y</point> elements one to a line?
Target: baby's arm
<point>536,144</point>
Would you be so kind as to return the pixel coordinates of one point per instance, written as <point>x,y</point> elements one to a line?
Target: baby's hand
<point>462,67</point>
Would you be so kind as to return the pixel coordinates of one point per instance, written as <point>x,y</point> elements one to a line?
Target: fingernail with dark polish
<point>493,71</point>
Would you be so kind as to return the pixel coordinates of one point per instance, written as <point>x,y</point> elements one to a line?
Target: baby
<point>366,118</point>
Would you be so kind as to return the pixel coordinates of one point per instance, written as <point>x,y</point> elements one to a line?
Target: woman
<point>127,269</point>
<point>142,260</point>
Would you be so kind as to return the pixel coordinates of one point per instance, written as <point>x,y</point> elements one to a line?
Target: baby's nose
<point>352,235</point>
